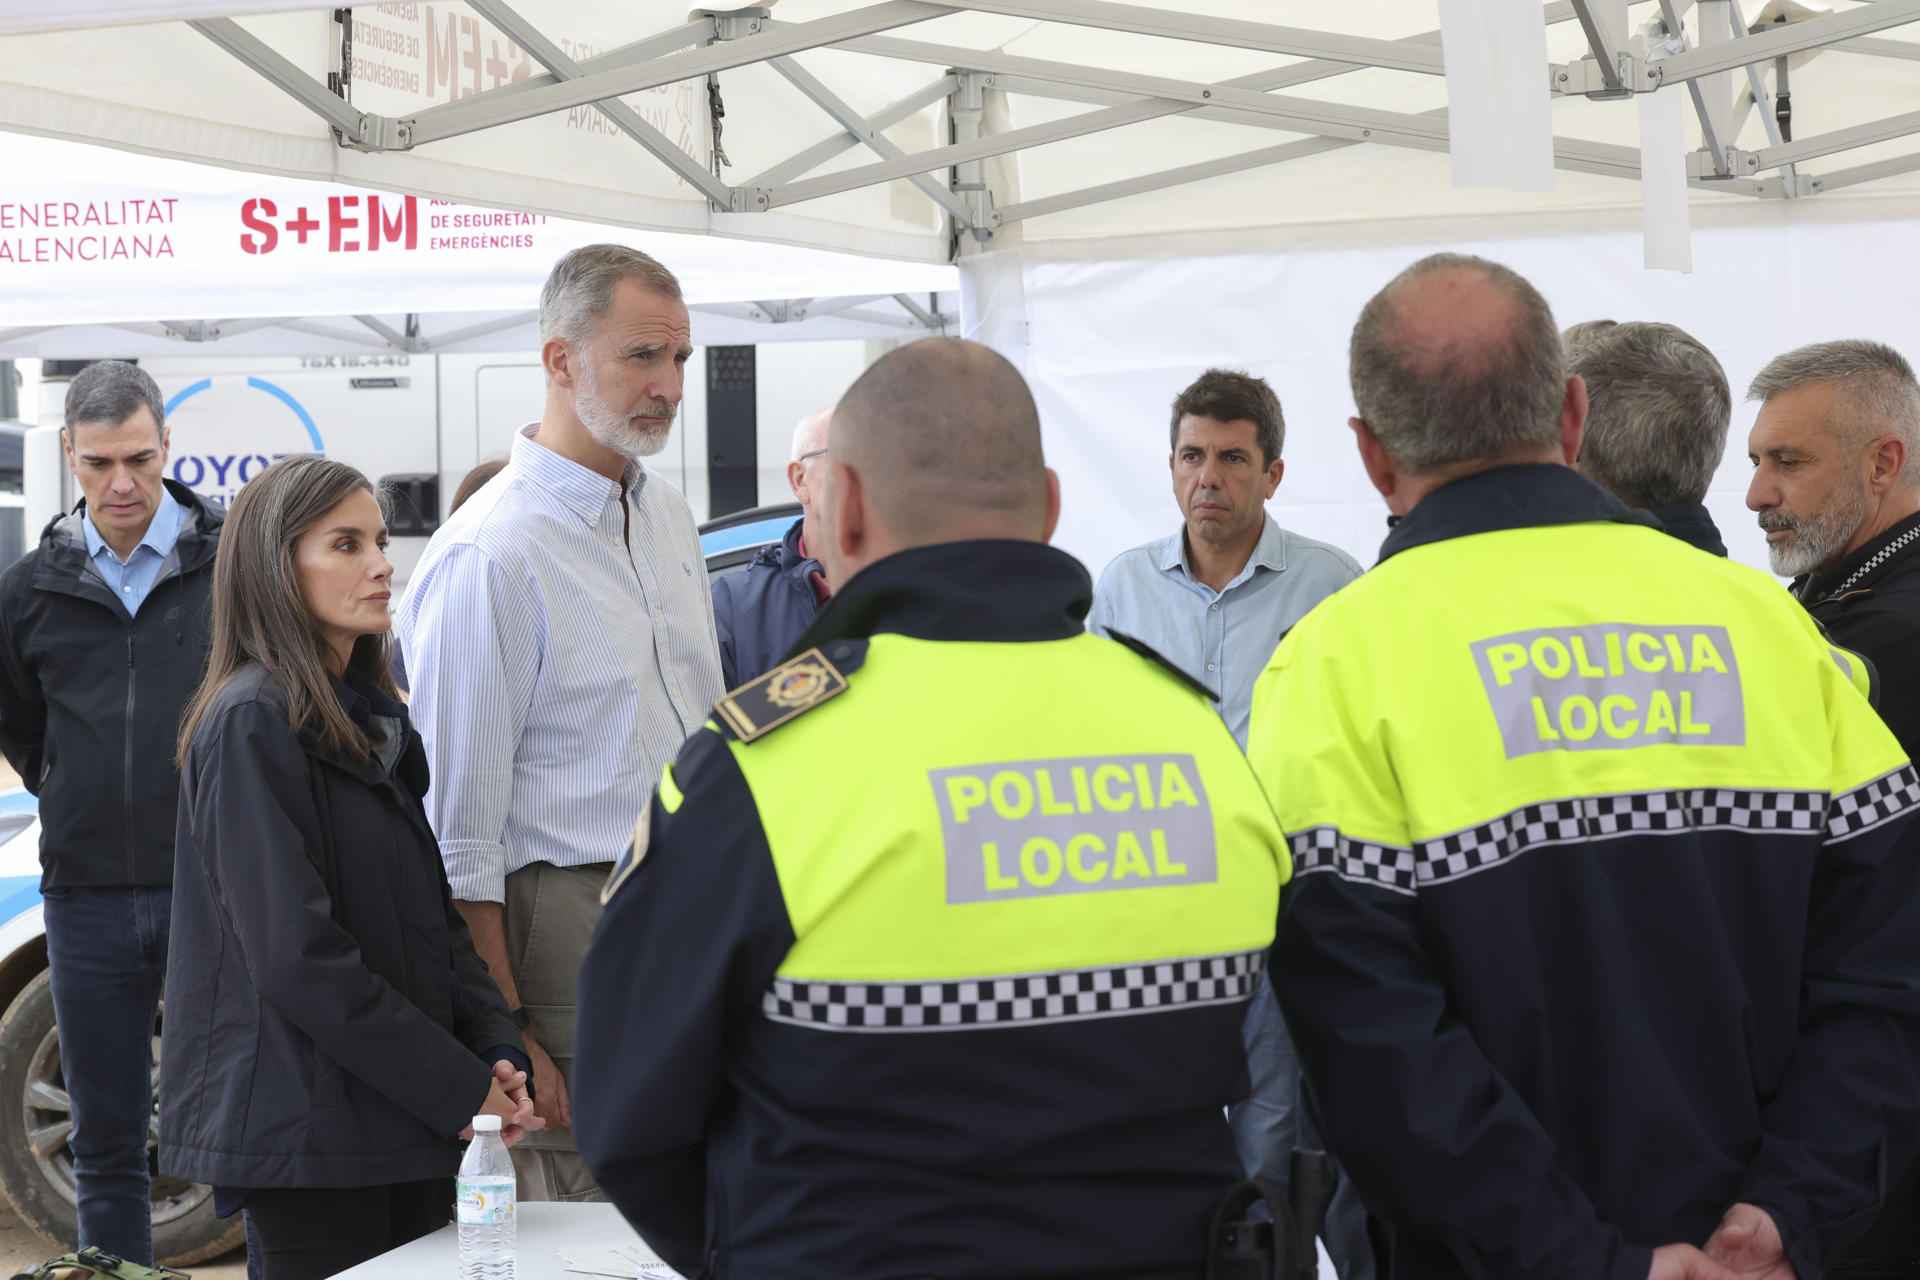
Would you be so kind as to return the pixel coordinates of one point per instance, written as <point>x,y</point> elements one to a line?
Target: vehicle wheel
<point>36,1166</point>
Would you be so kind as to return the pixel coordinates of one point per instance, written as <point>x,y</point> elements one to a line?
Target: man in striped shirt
<point>561,642</point>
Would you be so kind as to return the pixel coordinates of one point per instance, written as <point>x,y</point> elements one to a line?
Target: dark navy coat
<point>761,611</point>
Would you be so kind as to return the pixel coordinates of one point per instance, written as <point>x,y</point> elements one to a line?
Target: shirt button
<point>1209,666</point>
<point>1216,607</point>
<point>128,590</point>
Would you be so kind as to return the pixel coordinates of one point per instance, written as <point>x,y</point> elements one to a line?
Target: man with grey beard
<point>561,643</point>
<point>1836,480</point>
<point>1836,456</point>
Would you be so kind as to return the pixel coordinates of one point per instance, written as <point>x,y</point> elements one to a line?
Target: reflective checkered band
<point>1384,866</point>
<point>1604,817</point>
<point>1461,853</point>
<point>1864,808</point>
<point>1022,1000</point>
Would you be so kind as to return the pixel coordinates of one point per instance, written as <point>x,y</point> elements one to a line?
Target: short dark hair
<point>110,392</point>
<point>1228,395</point>
<point>1437,404</point>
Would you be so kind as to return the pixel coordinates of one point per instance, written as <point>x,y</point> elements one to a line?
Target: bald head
<point>810,436</point>
<point>946,440</point>
<point>1457,361</point>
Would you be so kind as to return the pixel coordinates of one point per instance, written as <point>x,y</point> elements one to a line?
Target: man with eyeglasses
<point>761,610</point>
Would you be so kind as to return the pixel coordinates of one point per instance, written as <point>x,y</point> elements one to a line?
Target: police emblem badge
<point>799,684</point>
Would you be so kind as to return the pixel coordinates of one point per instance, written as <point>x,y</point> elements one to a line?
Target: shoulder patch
<point>796,686</point>
<point>630,859</point>
<point>1146,650</point>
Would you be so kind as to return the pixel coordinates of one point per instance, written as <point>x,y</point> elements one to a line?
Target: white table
<point>543,1228</point>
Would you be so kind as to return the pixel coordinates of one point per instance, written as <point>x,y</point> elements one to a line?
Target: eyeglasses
<point>811,453</point>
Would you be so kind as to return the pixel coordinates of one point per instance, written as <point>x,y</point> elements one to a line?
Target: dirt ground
<point>19,1247</point>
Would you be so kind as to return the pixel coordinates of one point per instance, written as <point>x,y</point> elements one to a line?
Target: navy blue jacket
<point>761,611</point>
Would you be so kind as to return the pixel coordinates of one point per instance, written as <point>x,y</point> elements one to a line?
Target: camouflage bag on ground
<point>95,1264</point>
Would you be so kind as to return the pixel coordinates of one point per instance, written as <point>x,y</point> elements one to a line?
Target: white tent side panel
<point>1108,345</point>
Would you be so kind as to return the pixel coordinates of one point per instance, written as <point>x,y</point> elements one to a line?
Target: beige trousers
<point>550,913</point>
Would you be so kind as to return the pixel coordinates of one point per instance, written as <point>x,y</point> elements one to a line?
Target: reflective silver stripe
<point>1592,818</point>
<point>1864,808</point>
<point>1016,1000</point>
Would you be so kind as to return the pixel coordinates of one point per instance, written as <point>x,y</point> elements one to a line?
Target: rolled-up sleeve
<point>474,640</point>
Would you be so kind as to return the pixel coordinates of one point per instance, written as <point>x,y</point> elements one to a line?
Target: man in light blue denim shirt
<point>1214,598</point>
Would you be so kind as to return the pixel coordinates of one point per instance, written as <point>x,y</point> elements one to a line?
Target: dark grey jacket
<point>327,1017</point>
<point>90,699</point>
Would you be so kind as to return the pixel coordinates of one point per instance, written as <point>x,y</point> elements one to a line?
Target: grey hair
<point>579,289</point>
<point>1658,411</point>
<point>1434,404</point>
<point>813,427</point>
<point>1878,395</point>
<point>111,391</point>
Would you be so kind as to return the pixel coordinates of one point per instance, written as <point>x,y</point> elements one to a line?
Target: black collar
<point>1692,523</point>
<point>1815,587</point>
<point>1512,497</point>
<point>989,590</point>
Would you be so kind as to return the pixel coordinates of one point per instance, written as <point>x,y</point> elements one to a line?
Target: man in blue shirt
<point>1214,597</point>
<point>103,639</point>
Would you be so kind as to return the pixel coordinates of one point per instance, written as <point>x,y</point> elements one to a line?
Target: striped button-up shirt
<point>559,639</point>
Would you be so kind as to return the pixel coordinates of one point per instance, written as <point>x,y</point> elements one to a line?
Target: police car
<point>36,1117</point>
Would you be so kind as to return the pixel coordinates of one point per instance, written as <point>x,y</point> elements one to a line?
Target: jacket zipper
<point>127,769</point>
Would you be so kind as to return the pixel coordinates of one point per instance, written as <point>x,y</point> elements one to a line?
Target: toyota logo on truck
<point>218,473</point>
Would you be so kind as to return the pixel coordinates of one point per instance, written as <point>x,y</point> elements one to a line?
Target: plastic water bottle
<point>484,1205</point>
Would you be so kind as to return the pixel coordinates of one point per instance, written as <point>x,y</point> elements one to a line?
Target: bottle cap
<point>486,1124</point>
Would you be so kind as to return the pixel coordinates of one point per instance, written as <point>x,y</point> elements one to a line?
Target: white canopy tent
<point>1081,160</point>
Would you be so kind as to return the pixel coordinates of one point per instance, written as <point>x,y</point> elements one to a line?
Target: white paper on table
<point>1499,111</point>
<point>617,1259</point>
<point>1666,231</point>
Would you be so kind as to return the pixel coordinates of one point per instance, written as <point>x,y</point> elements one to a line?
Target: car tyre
<point>36,1167</point>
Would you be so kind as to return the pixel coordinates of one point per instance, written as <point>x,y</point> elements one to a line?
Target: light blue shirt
<point>560,644</point>
<point>132,580</point>
<point>1221,638</point>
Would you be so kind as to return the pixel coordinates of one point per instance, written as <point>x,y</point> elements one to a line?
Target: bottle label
<point>484,1201</point>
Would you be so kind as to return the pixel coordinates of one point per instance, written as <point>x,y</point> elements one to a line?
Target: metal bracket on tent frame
<point>966,114</point>
<point>1588,77</point>
<point>1739,164</point>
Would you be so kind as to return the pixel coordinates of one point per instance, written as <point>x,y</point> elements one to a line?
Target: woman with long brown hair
<point>329,1030</point>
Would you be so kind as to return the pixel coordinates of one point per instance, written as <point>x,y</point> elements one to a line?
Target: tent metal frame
<point>953,175</point>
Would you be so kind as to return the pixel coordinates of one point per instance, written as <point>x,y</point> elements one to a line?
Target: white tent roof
<point>108,254</point>
<point>1047,123</point>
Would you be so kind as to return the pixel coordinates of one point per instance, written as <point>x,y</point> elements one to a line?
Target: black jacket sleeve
<point>480,1017</point>
<point>252,814</point>
<point>1841,1126</point>
<point>23,712</point>
<point>1432,1135</point>
<point>726,598</point>
<point>688,944</point>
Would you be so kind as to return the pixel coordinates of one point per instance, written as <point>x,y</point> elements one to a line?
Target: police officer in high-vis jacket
<point>1604,956</point>
<point>932,950</point>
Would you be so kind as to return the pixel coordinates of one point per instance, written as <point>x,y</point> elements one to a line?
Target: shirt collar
<point>1529,495</point>
<point>1269,553</point>
<point>584,491</point>
<point>163,531</point>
